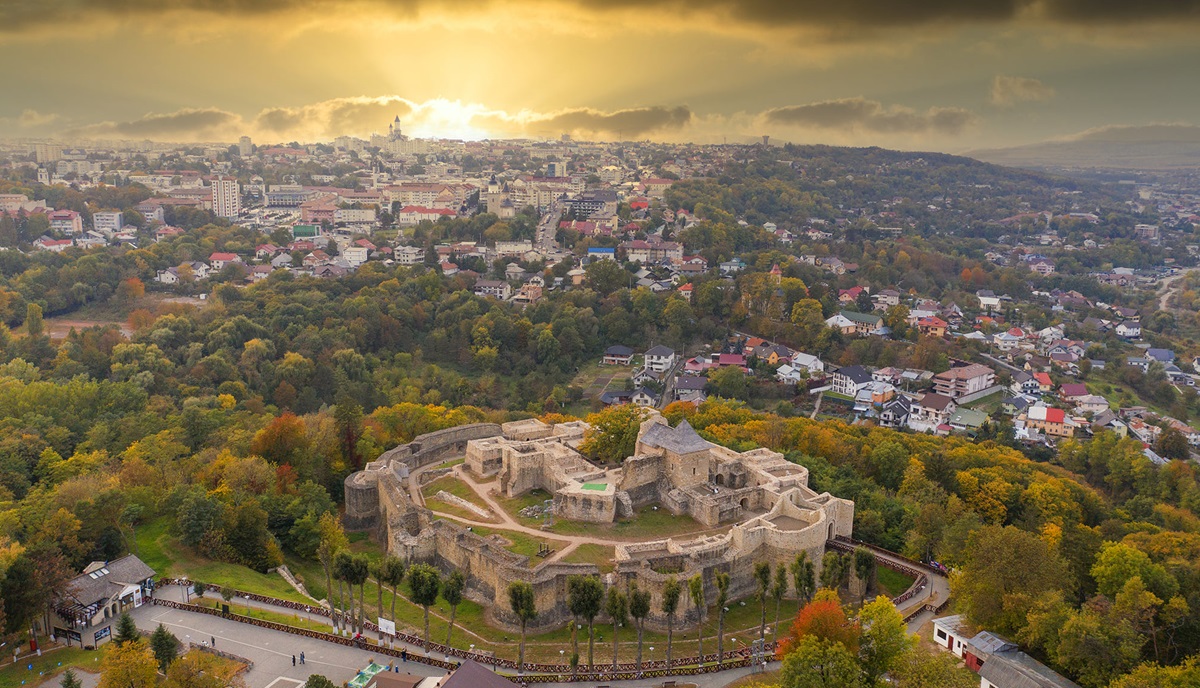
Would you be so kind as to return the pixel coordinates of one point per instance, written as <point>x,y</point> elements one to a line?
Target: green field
<point>646,523</point>
<point>460,489</point>
<point>599,555</point>
<point>163,552</point>
<point>892,583</point>
<point>50,665</point>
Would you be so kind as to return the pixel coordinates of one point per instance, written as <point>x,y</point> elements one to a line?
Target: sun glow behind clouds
<point>447,119</point>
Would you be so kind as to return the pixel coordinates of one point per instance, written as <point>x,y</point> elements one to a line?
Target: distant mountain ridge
<point>1152,147</point>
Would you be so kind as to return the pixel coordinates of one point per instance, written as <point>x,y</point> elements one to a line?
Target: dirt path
<point>1166,291</point>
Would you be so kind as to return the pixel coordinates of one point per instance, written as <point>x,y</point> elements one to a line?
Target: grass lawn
<point>769,678</point>
<point>50,665</point>
<point>522,543</point>
<point>460,489</point>
<point>892,583</point>
<point>299,619</point>
<point>514,505</point>
<point>168,557</point>
<point>600,555</point>
<point>646,523</point>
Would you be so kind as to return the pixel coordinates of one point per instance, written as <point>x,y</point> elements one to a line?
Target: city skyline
<point>928,75</point>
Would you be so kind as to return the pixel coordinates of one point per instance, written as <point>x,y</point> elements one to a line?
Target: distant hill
<point>1154,147</point>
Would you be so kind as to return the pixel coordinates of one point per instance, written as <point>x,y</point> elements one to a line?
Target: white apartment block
<point>227,198</point>
<point>108,221</point>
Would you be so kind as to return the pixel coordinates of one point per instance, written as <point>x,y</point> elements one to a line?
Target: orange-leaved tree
<point>822,618</point>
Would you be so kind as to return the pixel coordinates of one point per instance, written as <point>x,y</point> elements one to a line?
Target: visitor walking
<point>293,660</point>
<point>302,658</point>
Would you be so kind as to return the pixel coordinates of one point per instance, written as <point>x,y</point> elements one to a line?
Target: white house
<point>497,289</point>
<point>355,255</point>
<point>218,261</point>
<point>808,362</point>
<point>1129,330</point>
<point>851,380</point>
<point>660,359</point>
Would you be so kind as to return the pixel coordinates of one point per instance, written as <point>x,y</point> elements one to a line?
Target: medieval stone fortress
<point>745,507</point>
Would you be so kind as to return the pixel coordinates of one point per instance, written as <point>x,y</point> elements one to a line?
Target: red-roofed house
<point>849,295</point>
<point>1072,391</point>
<point>1044,383</point>
<point>1051,421</point>
<point>932,326</point>
<point>65,221</point>
<point>686,291</point>
<point>218,261</point>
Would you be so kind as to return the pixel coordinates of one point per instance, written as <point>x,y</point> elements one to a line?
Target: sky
<point>947,75</point>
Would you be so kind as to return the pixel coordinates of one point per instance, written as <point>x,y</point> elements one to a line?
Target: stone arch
<point>745,503</point>
<point>720,479</point>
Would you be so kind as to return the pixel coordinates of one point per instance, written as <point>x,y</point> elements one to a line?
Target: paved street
<point>271,651</point>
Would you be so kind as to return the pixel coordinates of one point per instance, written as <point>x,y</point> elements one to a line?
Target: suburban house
<point>1023,383</point>
<point>617,355</point>
<point>645,398</point>
<point>1129,330</point>
<point>964,380</point>
<point>1072,391</point>
<point>808,362</point>
<point>690,388</point>
<point>895,412</point>
<point>218,261</point>
<point>497,289</point>
<point>660,359</point>
<point>930,412</point>
<point>92,600</point>
<point>1044,382</point>
<point>863,323</point>
<point>1051,421</point>
<point>932,326</point>
<point>849,381</point>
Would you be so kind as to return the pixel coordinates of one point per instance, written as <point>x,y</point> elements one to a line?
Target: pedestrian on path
<point>404,655</point>
<point>302,658</point>
<point>214,640</point>
<point>293,660</point>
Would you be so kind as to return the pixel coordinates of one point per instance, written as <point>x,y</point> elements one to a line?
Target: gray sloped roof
<point>97,585</point>
<point>1015,669</point>
<point>661,350</point>
<point>681,439</point>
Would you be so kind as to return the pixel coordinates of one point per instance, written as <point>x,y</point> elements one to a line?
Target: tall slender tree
<point>617,608</point>
<point>778,590</point>
<point>803,578</point>
<point>424,581</point>
<point>864,569</point>
<point>669,604</point>
<point>722,581</point>
<point>343,563</point>
<point>452,592</point>
<point>394,570</point>
<point>524,605</point>
<point>696,592</point>
<point>585,597</point>
<point>762,576</point>
<point>639,609</point>
<point>360,569</point>
<point>332,540</point>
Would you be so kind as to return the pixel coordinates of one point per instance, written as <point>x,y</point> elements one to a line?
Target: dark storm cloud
<point>630,122</point>
<point>862,115</point>
<point>187,124</point>
<point>18,14</point>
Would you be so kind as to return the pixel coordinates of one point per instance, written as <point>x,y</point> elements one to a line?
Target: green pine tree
<point>165,646</point>
<point>127,631</point>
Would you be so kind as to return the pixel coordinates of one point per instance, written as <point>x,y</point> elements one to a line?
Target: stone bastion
<point>756,506</point>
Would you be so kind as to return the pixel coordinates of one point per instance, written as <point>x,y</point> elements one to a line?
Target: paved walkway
<point>271,651</point>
